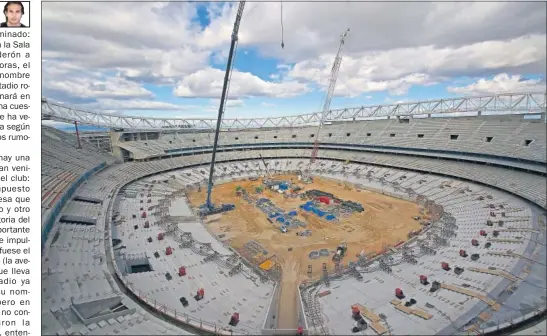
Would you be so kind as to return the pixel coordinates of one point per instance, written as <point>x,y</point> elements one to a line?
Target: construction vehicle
<point>184,301</point>
<point>435,286</point>
<point>340,252</point>
<point>355,313</point>
<point>410,303</point>
<point>200,294</point>
<point>234,320</point>
<point>360,325</point>
<point>306,178</point>
<point>304,233</point>
<point>209,208</point>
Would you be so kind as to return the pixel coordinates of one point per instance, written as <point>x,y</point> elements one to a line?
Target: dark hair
<point>14,3</point>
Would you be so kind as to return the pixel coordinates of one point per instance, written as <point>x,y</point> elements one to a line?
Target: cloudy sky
<point>168,59</point>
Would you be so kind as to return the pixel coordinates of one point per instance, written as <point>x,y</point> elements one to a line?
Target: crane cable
<point>282,40</point>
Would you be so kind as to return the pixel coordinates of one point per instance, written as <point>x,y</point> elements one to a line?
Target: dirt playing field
<point>385,222</point>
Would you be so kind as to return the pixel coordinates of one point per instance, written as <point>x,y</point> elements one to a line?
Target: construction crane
<point>306,176</point>
<point>268,174</point>
<point>209,208</point>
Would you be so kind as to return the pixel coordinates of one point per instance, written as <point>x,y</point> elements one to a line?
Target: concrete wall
<point>301,314</point>
<point>270,321</point>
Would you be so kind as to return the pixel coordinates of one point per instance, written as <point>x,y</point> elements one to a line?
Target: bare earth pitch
<point>385,222</point>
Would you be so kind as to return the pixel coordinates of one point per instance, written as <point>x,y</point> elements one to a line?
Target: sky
<point>166,59</point>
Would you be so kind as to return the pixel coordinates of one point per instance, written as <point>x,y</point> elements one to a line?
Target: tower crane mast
<point>208,208</point>
<point>326,105</point>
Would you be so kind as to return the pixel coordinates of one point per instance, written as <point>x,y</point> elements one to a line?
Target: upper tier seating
<point>503,136</point>
<point>63,163</point>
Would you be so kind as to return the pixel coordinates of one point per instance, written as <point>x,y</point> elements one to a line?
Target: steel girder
<point>532,102</point>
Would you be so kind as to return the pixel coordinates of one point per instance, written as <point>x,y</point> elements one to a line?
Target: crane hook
<point>282,40</point>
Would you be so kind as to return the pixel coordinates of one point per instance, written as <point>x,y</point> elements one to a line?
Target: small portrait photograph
<point>14,14</point>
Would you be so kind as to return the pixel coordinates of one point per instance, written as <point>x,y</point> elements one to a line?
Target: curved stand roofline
<point>503,103</point>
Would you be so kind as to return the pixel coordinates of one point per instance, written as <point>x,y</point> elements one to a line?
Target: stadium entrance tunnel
<point>101,309</point>
<point>88,199</point>
<point>138,265</point>
<point>71,219</point>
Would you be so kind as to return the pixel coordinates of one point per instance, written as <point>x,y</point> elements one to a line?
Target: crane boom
<point>268,175</point>
<point>326,104</point>
<point>208,206</point>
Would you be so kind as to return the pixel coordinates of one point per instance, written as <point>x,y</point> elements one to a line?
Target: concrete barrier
<point>270,321</point>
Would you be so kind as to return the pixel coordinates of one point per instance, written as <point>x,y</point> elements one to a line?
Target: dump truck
<point>340,252</point>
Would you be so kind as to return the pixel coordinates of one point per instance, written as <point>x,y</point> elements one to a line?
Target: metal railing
<point>517,320</point>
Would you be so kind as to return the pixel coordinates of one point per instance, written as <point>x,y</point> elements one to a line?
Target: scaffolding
<point>312,309</point>
<point>409,257</point>
<point>325,275</point>
<point>427,250</point>
<point>384,266</point>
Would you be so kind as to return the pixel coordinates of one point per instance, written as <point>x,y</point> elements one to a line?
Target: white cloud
<point>386,49</point>
<point>500,83</point>
<point>92,90</point>
<point>208,83</point>
<point>135,104</point>
<point>142,40</point>
<point>109,52</point>
<point>397,70</point>
<point>53,123</point>
<point>312,29</point>
<point>111,87</point>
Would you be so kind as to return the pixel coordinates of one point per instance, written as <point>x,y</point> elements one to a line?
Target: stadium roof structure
<point>505,103</point>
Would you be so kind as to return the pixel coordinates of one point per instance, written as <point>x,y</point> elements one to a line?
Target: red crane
<point>326,105</point>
